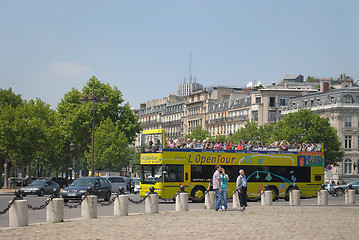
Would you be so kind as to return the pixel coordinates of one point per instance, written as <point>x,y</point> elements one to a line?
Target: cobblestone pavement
<point>256,222</point>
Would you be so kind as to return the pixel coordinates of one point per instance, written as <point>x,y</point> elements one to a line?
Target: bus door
<point>173,175</point>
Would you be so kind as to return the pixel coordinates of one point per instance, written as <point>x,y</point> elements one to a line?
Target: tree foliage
<point>199,133</point>
<point>307,126</point>
<point>302,126</point>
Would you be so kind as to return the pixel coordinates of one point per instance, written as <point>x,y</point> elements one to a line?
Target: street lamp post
<point>94,100</point>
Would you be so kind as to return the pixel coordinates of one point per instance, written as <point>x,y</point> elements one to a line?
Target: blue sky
<point>142,47</point>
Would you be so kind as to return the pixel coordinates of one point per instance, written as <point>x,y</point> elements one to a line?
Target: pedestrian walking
<point>224,182</point>
<point>218,199</point>
<point>242,189</point>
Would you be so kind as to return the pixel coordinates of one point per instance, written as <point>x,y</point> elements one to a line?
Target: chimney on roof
<point>325,84</point>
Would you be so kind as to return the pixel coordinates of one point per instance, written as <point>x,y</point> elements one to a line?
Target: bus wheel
<point>288,190</point>
<point>197,194</point>
<point>275,193</point>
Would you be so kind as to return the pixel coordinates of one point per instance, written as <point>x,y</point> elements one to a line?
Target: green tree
<point>248,133</point>
<point>198,133</point>
<point>76,117</point>
<point>111,146</point>
<point>312,79</point>
<point>8,97</point>
<point>307,126</point>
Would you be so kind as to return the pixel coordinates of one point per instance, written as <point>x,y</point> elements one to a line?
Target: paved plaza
<point>256,222</point>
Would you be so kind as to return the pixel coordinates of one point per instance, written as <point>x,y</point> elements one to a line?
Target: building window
<point>347,166</point>
<point>282,101</point>
<point>258,100</point>
<point>272,101</point>
<point>348,121</point>
<point>272,116</point>
<point>254,116</point>
<point>349,99</point>
<point>348,142</point>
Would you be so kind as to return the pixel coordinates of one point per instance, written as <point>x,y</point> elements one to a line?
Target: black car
<point>63,182</point>
<point>101,187</point>
<point>40,188</point>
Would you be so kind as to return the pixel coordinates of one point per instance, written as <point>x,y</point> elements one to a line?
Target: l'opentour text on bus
<point>167,169</point>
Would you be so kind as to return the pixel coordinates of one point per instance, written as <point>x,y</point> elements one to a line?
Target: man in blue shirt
<point>241,184</point>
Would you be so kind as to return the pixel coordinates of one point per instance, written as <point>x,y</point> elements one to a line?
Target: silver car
<point>117,182</point>
<point>339,189</point>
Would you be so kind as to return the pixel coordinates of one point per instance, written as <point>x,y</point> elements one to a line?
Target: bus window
<point>151,173</point>
<point>173,173</point>
<point>151,143</point>
<point>202,173</point>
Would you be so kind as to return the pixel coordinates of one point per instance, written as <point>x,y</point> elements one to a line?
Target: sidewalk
<point>256,222</point>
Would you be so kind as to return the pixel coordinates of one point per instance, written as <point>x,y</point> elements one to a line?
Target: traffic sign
<point>330,167</point>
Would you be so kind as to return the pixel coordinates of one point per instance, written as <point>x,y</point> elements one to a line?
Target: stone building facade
<point>341,107</point>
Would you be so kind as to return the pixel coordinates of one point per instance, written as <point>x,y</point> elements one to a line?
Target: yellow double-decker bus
<point>166,169</point>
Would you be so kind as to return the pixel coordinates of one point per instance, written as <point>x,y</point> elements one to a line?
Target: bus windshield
<point>151,143</point>
<point>151,173</point>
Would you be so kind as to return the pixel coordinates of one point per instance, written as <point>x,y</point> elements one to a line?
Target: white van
<point>117,182</point>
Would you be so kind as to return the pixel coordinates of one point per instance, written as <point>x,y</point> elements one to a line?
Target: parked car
<point>136,188</point>
<point>63,182</point>
<point>100,186</point>
<point>339,189</point>
<point>40,188</point>
<point>117,182</point>
<point>329,187</point>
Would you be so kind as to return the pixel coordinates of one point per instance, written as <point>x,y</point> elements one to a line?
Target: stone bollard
<point>236,203</point>
<point>182,202</point>
<point>89,207</point>
<point>294,197</point>
<point>18,214</point>
<point>209,200</point>
<point>121,205</point>
<point>266,198</point>
<point>323,197</point>
<point>152,203</point>
<point>350,196</point>
<point>55,210</point>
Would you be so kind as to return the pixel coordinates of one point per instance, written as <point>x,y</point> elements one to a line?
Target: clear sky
<point>48,47</point>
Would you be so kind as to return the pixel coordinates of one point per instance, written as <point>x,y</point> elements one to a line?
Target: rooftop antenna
<point>190,66</point>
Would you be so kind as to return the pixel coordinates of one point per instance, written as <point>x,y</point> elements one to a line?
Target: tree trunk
<point>29,170</point>
<point>6,175</point>
<point>78,155</point>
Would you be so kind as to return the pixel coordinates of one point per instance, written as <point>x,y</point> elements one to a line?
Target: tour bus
<point>166,169</point>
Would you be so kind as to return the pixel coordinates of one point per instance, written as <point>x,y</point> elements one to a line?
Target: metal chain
<point>139,201</point>
<point>42,206</point>
<point>200,199</point>
<point>77,204</point>
<point>9,205</point>
<point>174,196</point>
<point>235,191</point>
<point>112,200</point>
<point>259,196</point>
<point>342,194</point>
<point>314,195</point>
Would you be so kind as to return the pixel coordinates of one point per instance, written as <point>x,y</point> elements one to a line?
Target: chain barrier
<point>201,198</point>
<point>174,196</point>
<point>17,197</point>
<point>120,192</point>
<point>341,194</point>
<point>79,203</point>
<point>311,196</point>
<point>139,201</point>
<point>259,196</point>
<point>29,206</point>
